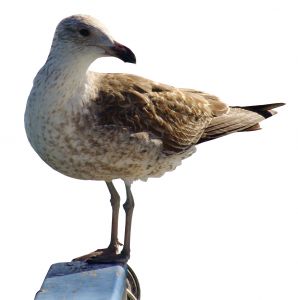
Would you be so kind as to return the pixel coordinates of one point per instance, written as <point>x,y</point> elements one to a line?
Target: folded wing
<point>238,119</point>
<point>176,116</point>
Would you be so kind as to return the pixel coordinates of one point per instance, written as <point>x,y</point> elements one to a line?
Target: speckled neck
<point>70,70</point>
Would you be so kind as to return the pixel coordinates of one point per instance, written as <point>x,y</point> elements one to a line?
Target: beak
<point>120,51</point>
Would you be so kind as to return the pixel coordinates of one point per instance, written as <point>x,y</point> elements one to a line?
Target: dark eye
<point>84,32</point>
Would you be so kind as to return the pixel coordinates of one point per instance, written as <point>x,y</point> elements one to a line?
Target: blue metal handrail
<point>83,281</point>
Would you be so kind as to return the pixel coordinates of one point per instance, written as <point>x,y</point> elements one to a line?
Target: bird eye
<point>84,32</point>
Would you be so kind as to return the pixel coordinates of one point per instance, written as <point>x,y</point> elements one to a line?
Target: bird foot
<point>107,255</point>
<point>98,252</point>
<point>108,258</point>
<point>103,256</point>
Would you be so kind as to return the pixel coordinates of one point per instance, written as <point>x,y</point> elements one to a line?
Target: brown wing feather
<point>177,116</point>
<point>238,119</point>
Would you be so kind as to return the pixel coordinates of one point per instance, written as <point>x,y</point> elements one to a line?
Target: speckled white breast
<point>60,129</point>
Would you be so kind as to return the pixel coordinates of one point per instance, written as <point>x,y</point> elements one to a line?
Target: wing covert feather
<point>177,116</point>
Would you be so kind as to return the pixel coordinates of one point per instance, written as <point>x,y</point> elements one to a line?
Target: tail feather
<point>239,118</point>
<point>265,110</point>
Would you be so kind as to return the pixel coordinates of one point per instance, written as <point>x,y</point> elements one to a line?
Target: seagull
<point>106,126</point>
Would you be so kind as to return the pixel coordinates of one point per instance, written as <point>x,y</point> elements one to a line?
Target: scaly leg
<point>112,249</point>
<point>128,207</point>
<point>124,255</point>
<point>115,202</point>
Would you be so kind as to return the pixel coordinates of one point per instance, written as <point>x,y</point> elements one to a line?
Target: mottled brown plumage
<point>176,116</point>
<point>181,117</point>
<point>95,126</point>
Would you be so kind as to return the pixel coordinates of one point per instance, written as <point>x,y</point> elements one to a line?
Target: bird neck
<point>60,82</point>
<point>69,69</point>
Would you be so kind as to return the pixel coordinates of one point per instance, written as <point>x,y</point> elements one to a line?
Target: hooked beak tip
<point>124,53</point>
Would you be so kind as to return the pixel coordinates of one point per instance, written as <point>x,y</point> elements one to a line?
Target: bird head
<point>85,35</point>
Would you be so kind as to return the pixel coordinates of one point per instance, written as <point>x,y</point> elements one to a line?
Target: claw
<point>118,258</point>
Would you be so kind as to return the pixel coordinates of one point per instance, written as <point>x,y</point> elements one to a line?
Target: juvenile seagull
<point>95,126</point>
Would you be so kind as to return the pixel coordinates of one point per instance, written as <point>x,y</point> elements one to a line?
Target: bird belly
<point>69,139</point>
<point>103,152</point>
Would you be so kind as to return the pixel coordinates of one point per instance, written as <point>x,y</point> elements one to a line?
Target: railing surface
<point>82,281</point>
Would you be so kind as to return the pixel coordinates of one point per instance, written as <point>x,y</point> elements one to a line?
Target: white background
<point>224,224</point>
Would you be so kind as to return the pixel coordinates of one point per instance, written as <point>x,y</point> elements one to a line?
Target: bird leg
<point>112,249</point>
<point>123,256</point>
<point>110,254</point>
<point>128,207</point>
<point>115,202</point>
